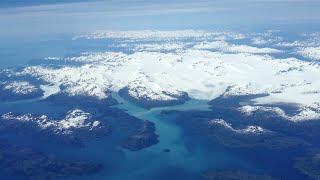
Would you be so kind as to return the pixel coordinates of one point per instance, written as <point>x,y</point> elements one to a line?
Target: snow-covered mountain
<point>75,119</point>
<point>20,87</point>
<point>247,130</point>
<point>75,128</point>
<point>169,65</point>
<point>17,90</point>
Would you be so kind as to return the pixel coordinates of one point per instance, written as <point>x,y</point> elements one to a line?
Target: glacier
<point>201,64</point>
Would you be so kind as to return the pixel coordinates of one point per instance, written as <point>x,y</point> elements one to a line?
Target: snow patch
<point>310,52</point>
<point>311,112</point>
<point>225,47</point>
<point>20,87</point>
<point>74,119</point>
<point>246,130</point>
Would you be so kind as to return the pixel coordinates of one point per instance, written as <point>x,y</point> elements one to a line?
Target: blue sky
<point>21,3</point>
<point>58,16</point>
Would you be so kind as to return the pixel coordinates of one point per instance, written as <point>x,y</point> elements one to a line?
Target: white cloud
<point>89,16</point>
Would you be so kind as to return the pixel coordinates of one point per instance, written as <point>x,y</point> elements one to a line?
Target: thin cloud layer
<point>176,14</point>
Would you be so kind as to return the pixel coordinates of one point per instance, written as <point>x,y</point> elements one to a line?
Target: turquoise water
<point>120,164</point>
<point>182,162</point>
<point>152,162</point>
<point>148,163</point>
